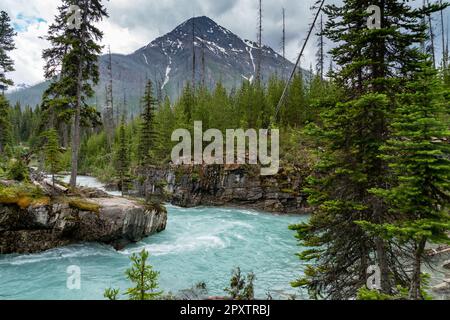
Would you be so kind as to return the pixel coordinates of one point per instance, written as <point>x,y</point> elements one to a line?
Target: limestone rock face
<point>225,185</point>
<point>119,222</point>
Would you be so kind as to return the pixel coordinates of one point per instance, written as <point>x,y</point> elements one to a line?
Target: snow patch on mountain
<point>145,57</point>
<point>168,69</point>
<point>251,58</point>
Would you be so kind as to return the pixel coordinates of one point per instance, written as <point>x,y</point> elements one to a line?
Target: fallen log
<point>55,186</point>
<point>47,186</point>
<point>438,251</point>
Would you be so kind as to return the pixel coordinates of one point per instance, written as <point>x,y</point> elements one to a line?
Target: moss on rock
<point>22,195</point>
<point>84,205</point>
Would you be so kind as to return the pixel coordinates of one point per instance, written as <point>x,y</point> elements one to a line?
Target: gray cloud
<point>155,18</point>
<point>133,24</point>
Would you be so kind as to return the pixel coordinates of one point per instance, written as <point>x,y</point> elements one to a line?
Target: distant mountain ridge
<point>168,62</point>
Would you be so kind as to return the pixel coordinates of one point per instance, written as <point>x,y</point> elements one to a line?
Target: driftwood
<point>438,251</point>
<point>56,186</point>
<point>49,188</point>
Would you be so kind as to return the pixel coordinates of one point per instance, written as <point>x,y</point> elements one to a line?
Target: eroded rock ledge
<point>46,224</point>
<point>230,185</point>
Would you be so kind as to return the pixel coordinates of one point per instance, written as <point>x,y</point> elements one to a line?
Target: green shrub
<point>18,170</point>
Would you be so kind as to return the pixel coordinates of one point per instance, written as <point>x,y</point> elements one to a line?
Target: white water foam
<point>183,245</point>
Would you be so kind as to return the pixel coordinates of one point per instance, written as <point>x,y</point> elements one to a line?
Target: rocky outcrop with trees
<point>32,220</point>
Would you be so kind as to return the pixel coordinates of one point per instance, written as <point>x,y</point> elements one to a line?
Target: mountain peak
<point>215,54</point>
<point>203,27</point>
<point>201,20</point>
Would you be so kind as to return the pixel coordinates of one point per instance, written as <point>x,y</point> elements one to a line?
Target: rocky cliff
<point>39,224</point>
<point>237,185</point>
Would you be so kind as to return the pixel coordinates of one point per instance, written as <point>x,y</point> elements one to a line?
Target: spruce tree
<point>374,65</point>
<point>295,113</point>
<point>5,125</point>
<point>144,277</point>
<point>165,125</point>
<point>52,153</point>
<point>6,45</point>
<point>72,64</point>
<point>418,153</point>
<point>187,103</point>
<point>122,155</point>
<point>241,287</point>
<point>147,131</point>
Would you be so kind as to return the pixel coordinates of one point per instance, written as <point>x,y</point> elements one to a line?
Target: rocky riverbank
<point>32,221</point>
<point>234,185</point>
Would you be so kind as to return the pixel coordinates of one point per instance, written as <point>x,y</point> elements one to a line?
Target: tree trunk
<point>415,287</point>
<point>383,264</point>
<point>65,135</point>
<point>76,130</point>
<point>121,183</point>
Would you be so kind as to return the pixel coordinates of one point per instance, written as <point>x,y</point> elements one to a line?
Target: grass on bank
<point>23,195</point>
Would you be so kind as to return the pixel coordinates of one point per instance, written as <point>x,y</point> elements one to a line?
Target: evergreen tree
<point>72,64</point>
<point>295,112</point>
<point>144,278</point>
<point>165,125</point>
<point>52,154</point>
<point>252,107</point>
<point>222,115</point>
<point>5,125</point>
<point>374,66</point>
<point>274,91</point>
<point>122,155</point>
<point>111,294</point>
<point>187,103</point>
<point>147,132</point>
<point>241,288</point>
<point>6,45</point>
<point>418,155</point>
<point>142,275</point>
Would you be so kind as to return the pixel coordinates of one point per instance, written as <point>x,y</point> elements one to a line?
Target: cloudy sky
<point>133,24</point>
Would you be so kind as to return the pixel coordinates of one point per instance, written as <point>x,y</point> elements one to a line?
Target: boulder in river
<point>443,288</point>
<point>446,264</point>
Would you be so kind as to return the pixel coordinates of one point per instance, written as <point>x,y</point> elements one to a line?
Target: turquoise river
<point>199,245</point>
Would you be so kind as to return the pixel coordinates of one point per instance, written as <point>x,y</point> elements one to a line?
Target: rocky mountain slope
<point>220,55</point>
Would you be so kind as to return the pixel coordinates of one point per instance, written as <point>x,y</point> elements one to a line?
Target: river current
<point>199,245</point>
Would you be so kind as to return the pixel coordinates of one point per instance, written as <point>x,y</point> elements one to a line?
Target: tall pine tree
<point>52,154</point>
<point>374,65</point>
<point>72,62</point>
<point>418,156</point>
<point>147,132</point>
<point>5,124</point>
<point>6,45</point>
<point>122,161</point>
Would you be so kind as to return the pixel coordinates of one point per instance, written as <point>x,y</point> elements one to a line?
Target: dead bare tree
<point>259,40</point>
<point>320,52</point>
